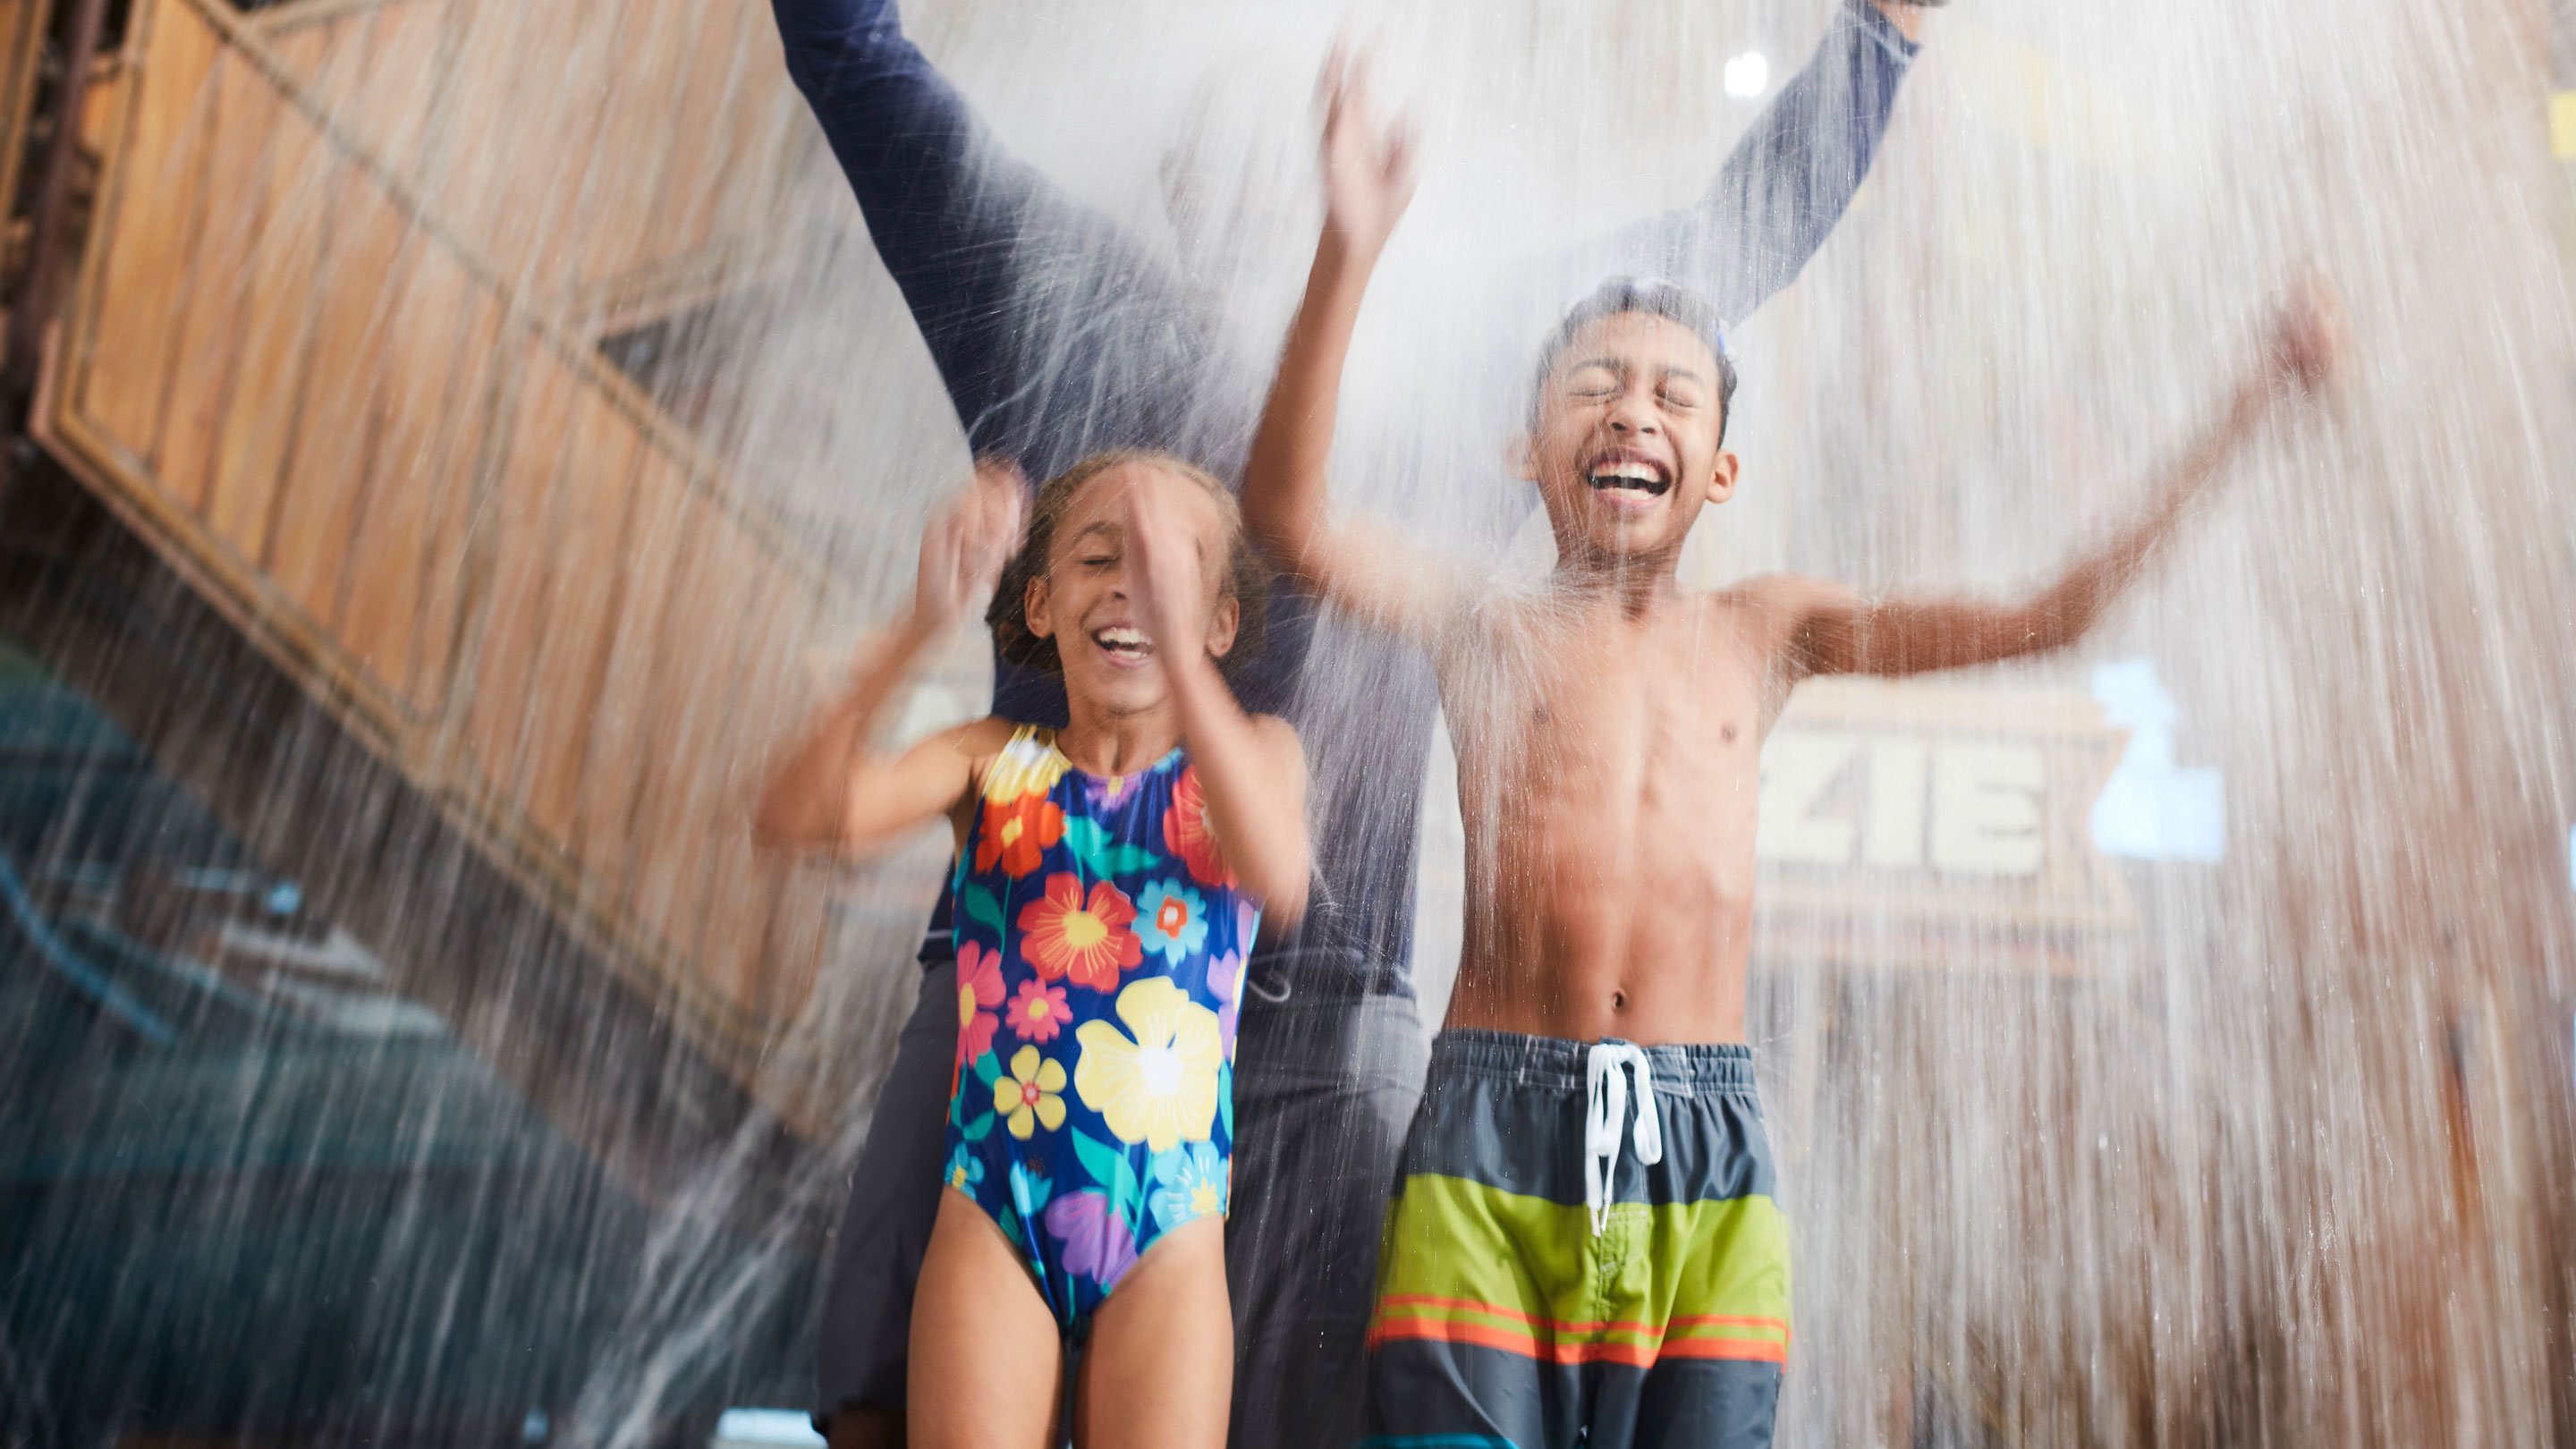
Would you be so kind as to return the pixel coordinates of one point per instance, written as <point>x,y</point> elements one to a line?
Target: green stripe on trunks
<point>1469,1263</point>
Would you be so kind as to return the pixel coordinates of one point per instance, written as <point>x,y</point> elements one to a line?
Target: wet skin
<point>1611,817</point>
<point>1609,728</point>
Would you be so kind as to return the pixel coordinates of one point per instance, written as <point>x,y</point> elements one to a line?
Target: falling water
<point>2268,1142</point>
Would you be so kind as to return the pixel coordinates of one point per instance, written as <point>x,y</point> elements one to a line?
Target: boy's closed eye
<point>1593,380</point>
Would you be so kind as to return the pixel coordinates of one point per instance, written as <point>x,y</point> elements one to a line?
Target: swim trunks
<point>1100,946</point>
<point>1583,1249</point>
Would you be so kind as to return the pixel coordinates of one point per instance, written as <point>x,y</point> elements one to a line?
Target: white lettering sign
<point>1898,802</point>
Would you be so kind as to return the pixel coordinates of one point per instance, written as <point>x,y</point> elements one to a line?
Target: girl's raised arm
<point>832,791</point>
<point>1251,766</point>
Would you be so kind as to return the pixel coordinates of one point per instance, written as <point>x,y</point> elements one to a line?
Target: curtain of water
<point>2286,1164</point>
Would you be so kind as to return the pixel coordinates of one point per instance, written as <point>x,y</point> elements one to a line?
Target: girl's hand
<point>1164,574</point>
<point>1368,168</point>
<point>964,549</point>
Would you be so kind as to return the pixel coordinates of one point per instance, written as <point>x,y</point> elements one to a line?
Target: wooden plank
<point>730,173</point>
<point>22,23</point>
<point>592,511</point>
<point>278,314</point>
<point>701,667</point>
<point>341,420</point>
<point>303,49</point>
<point>467,417</point>
<point>540,79</point>
<point>613,774</point>
<point>332,403</point>
<point>745,893</point>
<point>243,114</point>
<point>511,613</point>
<point>421,481</point>
<point>412,58</point>
<point>779,967</point>
<point>160,185</point>
<point>649,121</point>
<point>379,67</point>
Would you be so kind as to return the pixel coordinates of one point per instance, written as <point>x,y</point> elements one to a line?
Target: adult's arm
<point>1788,180</point>
<point>1053,331</point>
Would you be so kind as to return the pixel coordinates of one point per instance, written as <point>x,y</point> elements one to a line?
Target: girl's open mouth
<point>1125,646</point>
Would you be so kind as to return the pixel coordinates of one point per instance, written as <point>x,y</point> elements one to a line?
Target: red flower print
<point>1186,834</point>
<point>979,1000</point>
<point>1017,833</point>
<point>1038,1012</point>
<point>1064,935</point>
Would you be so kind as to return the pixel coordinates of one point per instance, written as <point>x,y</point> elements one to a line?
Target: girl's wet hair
<point>1246,581</point>
<point>1654,297</point>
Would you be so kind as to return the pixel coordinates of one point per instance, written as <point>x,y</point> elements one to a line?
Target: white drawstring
<point>1605,1092</point>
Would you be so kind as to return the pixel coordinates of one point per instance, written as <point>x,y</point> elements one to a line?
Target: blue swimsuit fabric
<point>1100,950</point>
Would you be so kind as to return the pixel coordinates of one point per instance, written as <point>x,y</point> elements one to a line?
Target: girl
<point>1111,877</point>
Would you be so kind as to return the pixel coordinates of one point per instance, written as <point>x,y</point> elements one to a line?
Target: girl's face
<point>1083,599</point>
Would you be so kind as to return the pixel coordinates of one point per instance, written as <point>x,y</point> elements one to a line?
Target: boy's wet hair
<point>1655,297</point>
<point>1246,581</point>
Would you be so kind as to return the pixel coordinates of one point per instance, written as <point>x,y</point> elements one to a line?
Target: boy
<point>1543,1279</point>
<point>1001,272</point>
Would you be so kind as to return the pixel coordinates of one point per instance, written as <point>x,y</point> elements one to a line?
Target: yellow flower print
<point>1029,1094</point>
<point>1160,1087</point>
<point>1029,765</point>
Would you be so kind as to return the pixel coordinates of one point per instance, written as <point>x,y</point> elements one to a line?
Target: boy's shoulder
<point>1781,602</point>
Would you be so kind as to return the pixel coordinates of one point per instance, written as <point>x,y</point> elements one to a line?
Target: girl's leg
<point>1160,1366</point>
<point>987,1361</point>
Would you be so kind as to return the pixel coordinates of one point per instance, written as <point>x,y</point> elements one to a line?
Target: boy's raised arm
<point>1368,179</point>
<point>831,792</point>
<point>1830,630</point>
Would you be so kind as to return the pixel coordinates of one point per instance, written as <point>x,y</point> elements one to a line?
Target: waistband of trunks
<point>1547,1061</point>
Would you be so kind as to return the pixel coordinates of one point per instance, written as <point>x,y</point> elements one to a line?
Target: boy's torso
<point>1608,774</point>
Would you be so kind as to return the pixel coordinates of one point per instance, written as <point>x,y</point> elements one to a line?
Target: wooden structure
<point>328,354</point>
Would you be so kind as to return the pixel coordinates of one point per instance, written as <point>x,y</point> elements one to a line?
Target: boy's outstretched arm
<point>1368,180</point>
<point>1830,630</point>
<point>831,792</point>
<point>1252,768</point>
<point>1791,176</point>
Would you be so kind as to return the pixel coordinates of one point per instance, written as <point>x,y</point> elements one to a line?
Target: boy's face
<point>1082,600</point>
<point>1624,441</point>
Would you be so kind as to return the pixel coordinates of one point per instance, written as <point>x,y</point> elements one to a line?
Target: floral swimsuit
<point>1100,950</point>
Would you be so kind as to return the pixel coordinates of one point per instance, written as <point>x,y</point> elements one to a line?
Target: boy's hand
<point>1368,167</point>
<point>2310,334</point>
<point>964,549</point>
<point>1163,572</point>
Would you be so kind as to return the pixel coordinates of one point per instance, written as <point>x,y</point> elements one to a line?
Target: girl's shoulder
<point>1004,754</point>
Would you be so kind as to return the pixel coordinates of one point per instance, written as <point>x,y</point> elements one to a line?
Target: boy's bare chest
<point>1660,716</point>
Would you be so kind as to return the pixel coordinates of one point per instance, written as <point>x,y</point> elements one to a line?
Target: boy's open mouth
<point>1124,645</point>
<point>1628,481</point>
